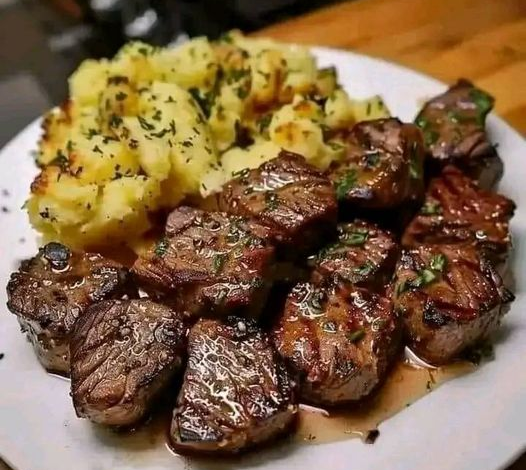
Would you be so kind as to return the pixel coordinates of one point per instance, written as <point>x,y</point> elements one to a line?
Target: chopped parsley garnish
<point>345,184</point>
<point>97,149</point>
<point>218,262</point>
<point>241,173</point>
<point>121,96</point>
<point>356,237</point>
<point>438,262</point>
<point>161,247</point>
<point>115,121</point>
<point>356,335</point>
<point>430,136</point>
<point>60,160</point>
<point>271,201</point>
<point>425,276</point>
<point>483,101</point>
<point>365,269</point>
<point>372,159</point>
<point>414,167</point>
<point>263,122</point>
<point>145,124</point>
<point>431,208</point>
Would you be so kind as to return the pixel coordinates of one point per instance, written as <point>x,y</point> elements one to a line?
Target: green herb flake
<point>161,247</point>
<point>345,184</point>
<point>145,124</point>
<point>271,201</point>
<point>218,262</point>
<point>121,96</point>
<point>365,269</point>
<point>483,101</point>
<point>431,208</point>
<point>356,335</point>
<point>438,262</point>
<point>414,167</point>
<point>355,238</point>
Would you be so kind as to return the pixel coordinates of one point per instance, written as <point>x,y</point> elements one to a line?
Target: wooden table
<point>483,40</point>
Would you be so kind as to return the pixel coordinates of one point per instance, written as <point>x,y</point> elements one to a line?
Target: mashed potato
<point>151,127</point>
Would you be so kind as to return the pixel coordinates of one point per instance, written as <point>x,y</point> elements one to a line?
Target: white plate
<point>476,422</point>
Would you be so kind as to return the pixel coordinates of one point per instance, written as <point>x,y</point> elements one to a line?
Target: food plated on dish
<point>389,232</point>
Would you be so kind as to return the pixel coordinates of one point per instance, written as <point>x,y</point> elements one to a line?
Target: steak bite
<point>236,391</point>
<point>52,290</point>
<point>457,210</point>
<point>210,261</point>
<point>449,297</point>
<point>454,130</point>
<point>291,197</point>
<point>383,166</point>
<point>340,341</point>
<point>364,256</point>
<point>123,353</point>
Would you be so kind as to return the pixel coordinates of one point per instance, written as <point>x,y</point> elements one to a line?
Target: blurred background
<point>43,41</point>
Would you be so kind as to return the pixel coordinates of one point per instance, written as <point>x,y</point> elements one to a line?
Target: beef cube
<point>288,195</point>
<point>450,297</point>
<point>457,210</point>
<point>123,354</point>
<point>383,166</point>
<point>364,256</point>
<point>339,340</point>
<point>211,262</point>
<point>454,132</point>
<point>236,391</point>
<point>52,290</point>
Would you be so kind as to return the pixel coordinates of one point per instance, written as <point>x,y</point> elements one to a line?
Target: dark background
<point>43,41</point>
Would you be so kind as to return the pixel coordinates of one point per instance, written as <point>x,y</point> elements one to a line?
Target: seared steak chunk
<point>296,201</point>
<point>52,290</point>
<point>364,256</point>
<point>341,341</point>
<point>457,210</point>
<point>123,353</point>
<point>449,297</point>
<point>453,124</point>
<point>236,391</point>
<point>383,167</point>
<point>209,261</point>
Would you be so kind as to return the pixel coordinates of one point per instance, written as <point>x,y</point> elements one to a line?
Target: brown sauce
<point>405,384</point>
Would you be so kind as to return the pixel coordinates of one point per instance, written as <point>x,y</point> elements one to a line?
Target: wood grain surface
<point>483,40</point>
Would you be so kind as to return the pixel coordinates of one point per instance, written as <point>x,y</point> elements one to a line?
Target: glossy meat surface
<point>363,255</point>
<point>383,166</point>
<point>236,391</point>
<point>450,297</point>
<point>209,261</point>
<point>123,353</point>
<point>454,130</point>
<point>52,290</point>
<point>340,341</point>
<point>291,197</point>
<point>457,210</point>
